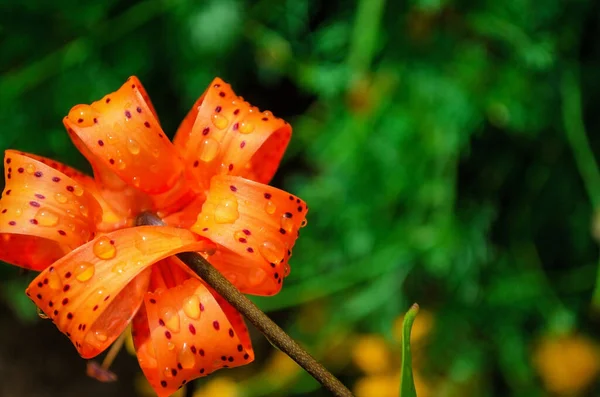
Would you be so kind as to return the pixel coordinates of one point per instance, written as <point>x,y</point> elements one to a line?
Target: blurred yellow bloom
<point>371,354</point>
<point>388,386</point>
<point>378,385</point>
<point>567,364</point>
<point>422,327</point>
<point>143,388</point>
<point>219,387</point>
<point>280,365</point>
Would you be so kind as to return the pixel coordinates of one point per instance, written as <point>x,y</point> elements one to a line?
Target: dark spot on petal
<point>216,325</point>
<point>70,316</point>
<point>282,230</point>
<point>21,171</point>
<point>138,109</point>
<point>146,124</point>
<point>192,329</point>
<point>152,300</point>
<point>267,195</point>
<point>168,334</point>
<point>128,114</point>
<point>218,109</point>
<point>55,179</point>
<point>233,188</point>
<point>250,249</point>
<point>33,221</point>
<point>38,174</point>
<point>246,232</point>
<point>66,288</point>
<point>34,204</point>
<point>68,274</point>
<point>231,332</point>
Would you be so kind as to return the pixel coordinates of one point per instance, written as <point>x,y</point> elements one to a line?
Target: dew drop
<point>287,224</point>
<point>41,314</point>
<point>30,168</point>
<point>133,146</point>
<point>46,217</point>
<point>103,249</point>
<point>240,236</point>
<point>246,127</point>
<point>270,207</point>
<point>227,211</point>
<point>119,267</point>
<point>84,210</point>
<point>136,181</point>
<point>186,358</point>
<point>171,319</point>
<point>156,153</point>
<point>18,212</point>
<point>61,198</point>
<point>82,115</point>
<point>84,271</point>
<point>171,347</point>
<point>121,164</point>
<point>191,307</point>
<point>256,276</point>
<point>220,121</point>
<point>101,336</point>
<point>272,252</point>
<point>209,150</point>
<point>54,281</point>
<point>77,190</point>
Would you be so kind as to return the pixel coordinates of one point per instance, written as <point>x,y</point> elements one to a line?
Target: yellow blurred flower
<point>377,385</point>
<point>371,354</point>
<point>388,386</point>
<point>568,364</point>
<point>280,365</point>
<point>219,387</point>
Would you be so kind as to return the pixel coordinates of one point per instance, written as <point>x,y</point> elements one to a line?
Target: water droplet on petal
<point>209,150</point>
<point>240,236</point>
<point>30,168</point>
<point>103,249</point>
<point>46,217</point>
<point>246,127</point>
<point>61,198</point>
<point>82,115</point>
<point>256,276</point>
<point>119,267</point>
<point>287,224</point>
<point>270,207</point>
<point>186,358</point>
<point>220,121</point>
<point>84,210</point>
<point>171,347</point>
<point>156,153</point>
<point>273,252</point>
<point>41,314</point>
<point>18,212</point>
<point>121,164</point>
<point>77,190</point>
<point>101,336</point>
<point>227,211</point>
<point>54,281</point>
<point>84,271</point>
<point>136,181</point>
<point>133,146</point>
<point>171,319</point>
<point>191,307</point>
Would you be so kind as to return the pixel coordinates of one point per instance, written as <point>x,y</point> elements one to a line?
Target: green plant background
<point>438,144</point>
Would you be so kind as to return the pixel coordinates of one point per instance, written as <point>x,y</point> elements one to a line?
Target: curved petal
<point>185,332</point>
<point>43,213</point>
<point>255,226</point>
<point>114,214</point>
<point>121,136</point>
<point>92,293</point>
<point>228,136</point>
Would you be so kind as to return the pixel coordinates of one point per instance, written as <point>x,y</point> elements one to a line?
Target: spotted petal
<point>122,139</point>
<point>223,134</point>
<point>255,227</point>
<point>43,213</point>
<point>185,332</point>
<point>92,293</point>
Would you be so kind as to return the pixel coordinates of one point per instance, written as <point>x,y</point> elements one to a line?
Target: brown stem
<point>257,317</point>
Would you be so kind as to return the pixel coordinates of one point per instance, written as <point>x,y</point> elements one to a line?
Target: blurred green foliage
<point>439,144</point>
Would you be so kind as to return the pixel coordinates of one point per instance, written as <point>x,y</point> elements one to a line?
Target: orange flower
<point>99,272</point>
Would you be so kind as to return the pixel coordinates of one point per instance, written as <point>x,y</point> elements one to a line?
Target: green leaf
<point>407,384</point>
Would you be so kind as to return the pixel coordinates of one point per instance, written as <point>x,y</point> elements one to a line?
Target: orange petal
<point>43,213</point>
<point>92,293</point>
<point>228,136</point>
<point>114,214</point>
<point>120,135</point>
<point>256,227</point>
<point>186,332</point>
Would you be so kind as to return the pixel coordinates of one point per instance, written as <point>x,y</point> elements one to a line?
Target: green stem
<point>365,35</point>
<point>260,320</point>
<point>582,151</point>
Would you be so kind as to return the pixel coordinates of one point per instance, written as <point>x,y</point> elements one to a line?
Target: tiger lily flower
<point>99,272</point>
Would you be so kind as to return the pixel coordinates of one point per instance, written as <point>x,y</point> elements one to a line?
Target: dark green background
<point>438,144</point>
